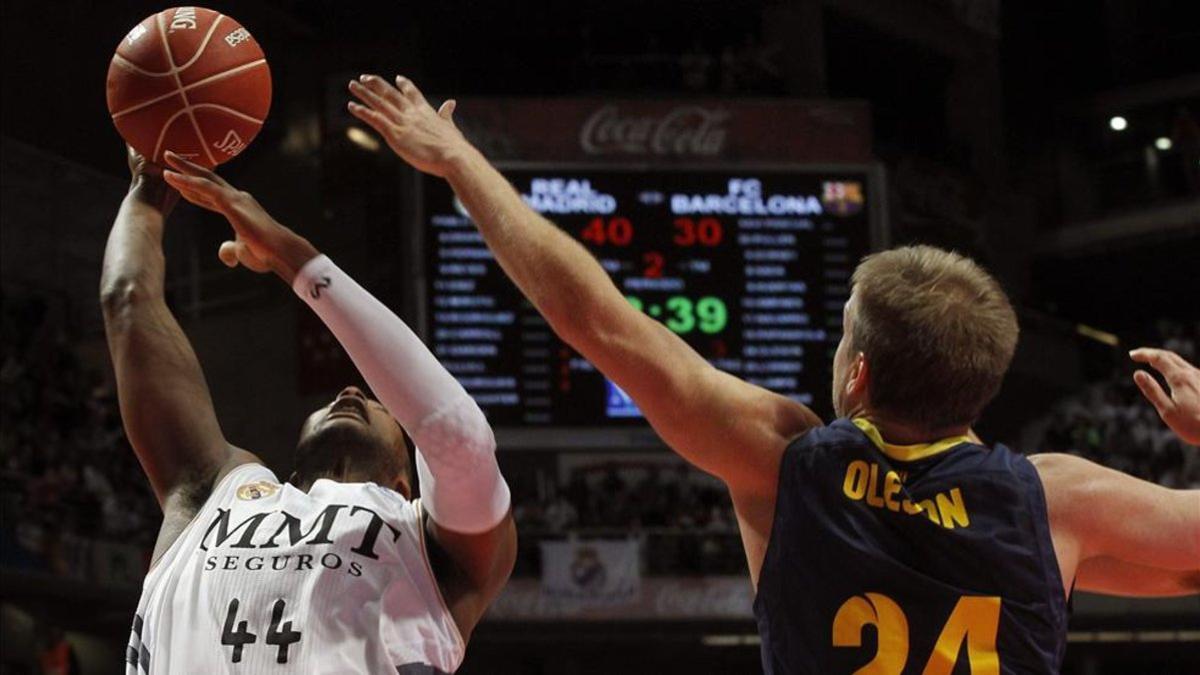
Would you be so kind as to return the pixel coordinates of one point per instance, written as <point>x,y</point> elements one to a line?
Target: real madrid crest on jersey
<point>256,490</point>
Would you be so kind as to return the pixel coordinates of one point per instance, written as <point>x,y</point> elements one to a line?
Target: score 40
<point>682,315</point>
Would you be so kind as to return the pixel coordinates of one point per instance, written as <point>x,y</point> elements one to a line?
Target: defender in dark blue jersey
<point>943,548</point>
<point>892,541</point>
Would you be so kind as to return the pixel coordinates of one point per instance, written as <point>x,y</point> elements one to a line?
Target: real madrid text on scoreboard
<point>750,267</point>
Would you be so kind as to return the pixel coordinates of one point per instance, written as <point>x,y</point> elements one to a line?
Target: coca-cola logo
<point>684,130</point>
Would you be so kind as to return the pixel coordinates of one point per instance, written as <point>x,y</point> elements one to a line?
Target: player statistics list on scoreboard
<point>751,269</point>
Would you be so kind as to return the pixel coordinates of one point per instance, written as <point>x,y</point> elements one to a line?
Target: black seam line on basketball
<point>126,63</point>
<point>187,105</point>
<point>195,85</point>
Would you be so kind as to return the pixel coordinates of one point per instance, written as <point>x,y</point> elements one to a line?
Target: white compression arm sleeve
<point>461,483</point>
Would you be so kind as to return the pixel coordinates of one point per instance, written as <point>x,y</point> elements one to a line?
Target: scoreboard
<point>750,267</point>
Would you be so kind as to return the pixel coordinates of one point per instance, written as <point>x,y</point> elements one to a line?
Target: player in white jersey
<point>339,569</point>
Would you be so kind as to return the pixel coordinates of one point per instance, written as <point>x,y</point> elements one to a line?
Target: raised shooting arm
<point>462,489</point>
<point>165,402</point>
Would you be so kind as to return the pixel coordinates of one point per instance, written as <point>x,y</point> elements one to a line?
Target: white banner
<point>591,573</point>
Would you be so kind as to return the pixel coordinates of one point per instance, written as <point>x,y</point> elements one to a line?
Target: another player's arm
<point>1112,576</point>
<point>1122,535</point>
<point>165,402</point>
<point>1131,571</point>
<point>470,523</point>
<point>721,424</point>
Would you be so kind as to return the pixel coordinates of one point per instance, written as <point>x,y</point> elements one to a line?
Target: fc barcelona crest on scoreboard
<point>842,198</point>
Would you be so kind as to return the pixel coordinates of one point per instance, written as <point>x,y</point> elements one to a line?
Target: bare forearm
<point>133,257</point>
<point>558,275</point>
<point>1112,576</point>
<point>165,403</point>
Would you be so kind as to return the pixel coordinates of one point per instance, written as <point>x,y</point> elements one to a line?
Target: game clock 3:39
<point>683,315</point>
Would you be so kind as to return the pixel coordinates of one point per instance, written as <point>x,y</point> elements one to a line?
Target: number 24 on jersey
<point>975,619</point>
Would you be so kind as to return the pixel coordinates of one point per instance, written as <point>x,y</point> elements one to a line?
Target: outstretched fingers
<point>380,87</point>
<point>374,99</point>
<point>409,90</point>
<point>1161,360</point>
<point>1179,407</point>
<point>197,184</point>
<point>1174,368</point>
<point>373,118</point>
<point>190,168</point>
<point>201,192</point>
<point>1154,393</point>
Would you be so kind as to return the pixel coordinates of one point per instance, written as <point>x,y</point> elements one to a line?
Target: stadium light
<point>362,139</point>
<point>1101,336</point>
<point>1117,123</point>
<point>1162,143</point>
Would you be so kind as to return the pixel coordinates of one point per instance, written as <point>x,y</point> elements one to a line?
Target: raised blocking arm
<point>721,424</point>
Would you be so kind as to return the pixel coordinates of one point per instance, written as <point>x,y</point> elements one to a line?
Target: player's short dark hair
<point>937,331</point>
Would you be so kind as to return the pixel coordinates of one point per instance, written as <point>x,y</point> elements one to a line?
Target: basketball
<point>192,81</point>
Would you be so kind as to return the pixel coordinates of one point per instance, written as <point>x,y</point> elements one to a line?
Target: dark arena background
<point>1057,143</point>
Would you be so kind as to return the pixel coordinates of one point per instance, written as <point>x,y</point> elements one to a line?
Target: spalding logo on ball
<point>192,81</point>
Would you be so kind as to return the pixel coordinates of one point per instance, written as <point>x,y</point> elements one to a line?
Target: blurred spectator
<point>683,517</point>
<point>1176,339</point>
<point>561,515</point>
<point>695,65</point>
<point>67,474</point>
<point>1186,134</point>
<point>704,64</point>
<point>55,654</point>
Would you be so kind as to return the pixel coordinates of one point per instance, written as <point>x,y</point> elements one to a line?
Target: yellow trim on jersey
<point>906,453</point>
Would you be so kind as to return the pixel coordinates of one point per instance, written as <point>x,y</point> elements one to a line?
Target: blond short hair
<point>937,332</point>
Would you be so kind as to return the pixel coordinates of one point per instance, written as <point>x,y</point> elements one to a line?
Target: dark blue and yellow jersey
<point>920,559</point>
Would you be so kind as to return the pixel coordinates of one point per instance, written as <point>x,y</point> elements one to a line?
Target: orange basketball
<point>192,81</point>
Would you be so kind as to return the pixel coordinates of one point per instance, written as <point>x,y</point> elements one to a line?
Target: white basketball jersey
<point>269,579</point>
